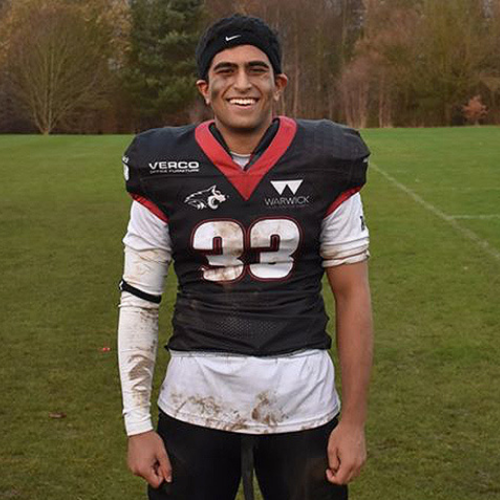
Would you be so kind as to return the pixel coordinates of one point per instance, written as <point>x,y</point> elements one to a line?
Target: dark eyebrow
<point>224,65</point>
<point>251,64</point>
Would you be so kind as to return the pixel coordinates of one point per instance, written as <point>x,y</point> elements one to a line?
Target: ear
<point>203,89</point>
<point>280,83</point>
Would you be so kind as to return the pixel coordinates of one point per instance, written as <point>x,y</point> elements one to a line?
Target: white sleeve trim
<point>344,235</point>
<point>146,231</point>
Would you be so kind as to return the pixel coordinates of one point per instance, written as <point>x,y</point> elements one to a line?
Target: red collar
<point>245,182</point>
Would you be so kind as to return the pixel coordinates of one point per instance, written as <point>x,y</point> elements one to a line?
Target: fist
<point>148,458</point>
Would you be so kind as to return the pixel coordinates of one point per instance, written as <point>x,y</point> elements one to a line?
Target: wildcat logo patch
<point>208,198</point>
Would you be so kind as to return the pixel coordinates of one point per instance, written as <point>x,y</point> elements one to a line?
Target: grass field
<point>433,209</point>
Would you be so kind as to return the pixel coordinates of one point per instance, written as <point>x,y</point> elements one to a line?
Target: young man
<point>252,209</point>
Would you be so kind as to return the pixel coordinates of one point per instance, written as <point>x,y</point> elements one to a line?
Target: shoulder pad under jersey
<point>146,148</point>
<point>343,142</point>
<point>340,148</point>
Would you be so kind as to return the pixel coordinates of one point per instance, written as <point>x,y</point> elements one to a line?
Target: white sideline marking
<point>472,217</point>
<point>447,218</point>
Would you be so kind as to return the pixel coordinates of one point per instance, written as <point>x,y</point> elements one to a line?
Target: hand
<point>147,458</point>
<point>346,453</point>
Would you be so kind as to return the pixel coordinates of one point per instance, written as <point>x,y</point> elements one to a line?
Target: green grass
<point>435,399</point>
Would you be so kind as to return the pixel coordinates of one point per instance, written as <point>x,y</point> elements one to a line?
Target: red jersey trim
<point>246,181</point>
<point>341,198</point>
<point>150,206</point>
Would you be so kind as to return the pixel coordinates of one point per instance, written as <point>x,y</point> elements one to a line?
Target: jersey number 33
<point>265,250</point>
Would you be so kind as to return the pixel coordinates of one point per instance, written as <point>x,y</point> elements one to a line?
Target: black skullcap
<point>237,30</point>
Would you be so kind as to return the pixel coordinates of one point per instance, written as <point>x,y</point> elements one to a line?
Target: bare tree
<point>354,88</point>
<point>57,60</point>
<point>388,47</point>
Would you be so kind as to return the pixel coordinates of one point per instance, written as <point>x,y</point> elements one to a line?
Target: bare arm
<point>354,333</point>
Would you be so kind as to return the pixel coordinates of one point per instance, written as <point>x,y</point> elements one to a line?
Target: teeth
<point>243,102</point>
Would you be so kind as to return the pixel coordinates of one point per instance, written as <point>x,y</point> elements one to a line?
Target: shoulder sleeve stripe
<point>150,206</point>
<point>341,198</point>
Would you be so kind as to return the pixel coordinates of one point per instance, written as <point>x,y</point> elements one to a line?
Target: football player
<point>252,209</point>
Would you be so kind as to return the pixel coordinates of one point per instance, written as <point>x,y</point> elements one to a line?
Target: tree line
<point>111,66</point>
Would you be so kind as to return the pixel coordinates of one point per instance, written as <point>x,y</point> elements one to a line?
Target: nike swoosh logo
<point>229,38</point>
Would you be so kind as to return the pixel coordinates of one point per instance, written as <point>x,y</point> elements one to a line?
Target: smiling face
<point>241,90</point>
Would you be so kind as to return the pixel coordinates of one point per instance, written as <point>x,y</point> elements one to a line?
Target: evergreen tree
<point>161,73</point>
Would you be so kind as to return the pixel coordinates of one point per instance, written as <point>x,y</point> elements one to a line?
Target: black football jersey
<point>246,243</point>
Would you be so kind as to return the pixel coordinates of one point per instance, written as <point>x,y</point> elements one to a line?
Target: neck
<point>242,141</point>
